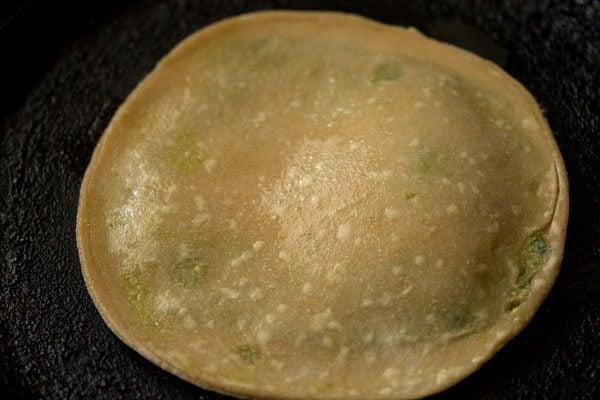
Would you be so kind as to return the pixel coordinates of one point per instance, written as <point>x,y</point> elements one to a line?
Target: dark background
<point>65,66</point>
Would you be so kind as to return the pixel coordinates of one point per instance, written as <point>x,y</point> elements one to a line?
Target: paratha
<point>315,205</point>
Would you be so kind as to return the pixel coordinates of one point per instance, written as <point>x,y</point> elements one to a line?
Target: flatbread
<point>315,205</point>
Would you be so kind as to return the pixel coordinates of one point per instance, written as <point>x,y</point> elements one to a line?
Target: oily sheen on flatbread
<point>299,205</point>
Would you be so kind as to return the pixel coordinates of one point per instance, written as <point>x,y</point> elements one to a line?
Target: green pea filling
<point>248,353</point>
<point>325,386</point>
<point>428,162</point>
<point>533,254</point>
<point>459,318</point>
<point>137,287</point>
<point>512,304</point>
<point>189,271</point>
<point>385,72</point>
<point>137,284</point>
<point>531,258</point>
<point>257,45</point>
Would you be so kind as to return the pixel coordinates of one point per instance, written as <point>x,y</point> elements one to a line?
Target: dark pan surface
<point>64,71</point>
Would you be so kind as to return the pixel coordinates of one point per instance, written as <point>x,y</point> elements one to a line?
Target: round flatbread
<point>315,205</point>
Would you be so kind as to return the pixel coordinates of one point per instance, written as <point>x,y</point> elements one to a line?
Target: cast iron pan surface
<point>66,68</point>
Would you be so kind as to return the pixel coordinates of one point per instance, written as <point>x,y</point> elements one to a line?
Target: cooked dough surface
<point>314,205</point>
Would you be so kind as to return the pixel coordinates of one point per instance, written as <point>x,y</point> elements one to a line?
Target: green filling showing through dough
<point>429,162</point>
<point>189,271</point>
<point>385,72</point>
<point>461,321</point>
<point>248,353</point>
<point>137,288</point>
<point>532,256</point>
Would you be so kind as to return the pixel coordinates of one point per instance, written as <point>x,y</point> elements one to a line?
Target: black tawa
<point>65,66</point>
